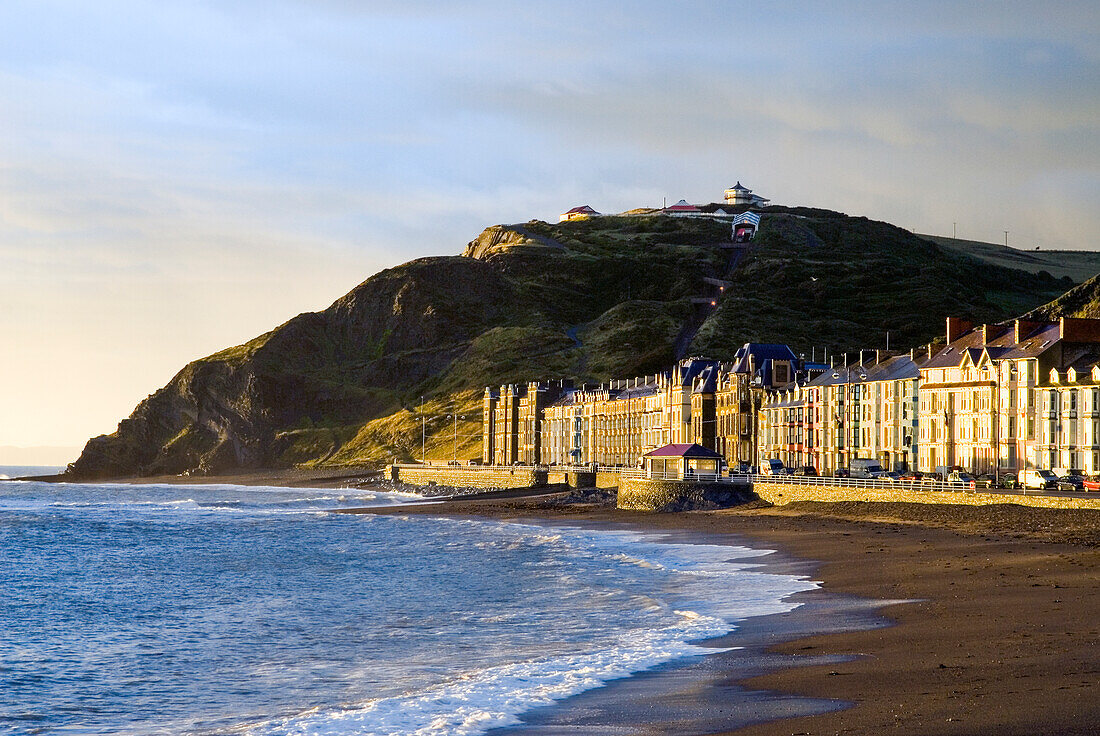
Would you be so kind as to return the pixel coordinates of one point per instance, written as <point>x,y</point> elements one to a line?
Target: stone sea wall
<point>645,494</point>
<point>781,493</point>
<point>469,477</point>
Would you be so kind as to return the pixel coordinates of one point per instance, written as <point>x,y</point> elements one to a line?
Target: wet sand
<point>1001,634</point>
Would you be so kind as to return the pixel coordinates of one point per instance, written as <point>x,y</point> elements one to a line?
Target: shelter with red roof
<point>682,461</point>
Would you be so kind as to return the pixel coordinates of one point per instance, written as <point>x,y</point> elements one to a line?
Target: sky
<point>179,177</point>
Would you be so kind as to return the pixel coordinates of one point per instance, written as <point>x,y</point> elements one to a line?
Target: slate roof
<point>760,351</point>
<point>894,368</point>
<point>1003,346</point>
<point>692,450</point>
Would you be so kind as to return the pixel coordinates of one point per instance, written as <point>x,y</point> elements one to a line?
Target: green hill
<point>1080,301</point>
<point>1077,265</point>
<point>589,300</point>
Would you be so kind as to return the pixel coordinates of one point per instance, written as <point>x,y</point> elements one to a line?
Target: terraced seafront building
<point>995,398</point>
<point>865,410</point>
<point>697,401</point>
<point>1023,394</point>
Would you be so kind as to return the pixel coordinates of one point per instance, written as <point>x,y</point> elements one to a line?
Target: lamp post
<point>423,434</point>
<point>848,409</point>
<point>454,444</point>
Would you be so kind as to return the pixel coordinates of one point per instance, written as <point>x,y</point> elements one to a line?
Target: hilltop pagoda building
<point>739,195</point>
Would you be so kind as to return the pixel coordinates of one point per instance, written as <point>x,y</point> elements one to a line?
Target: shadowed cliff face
<point>588,300</point>
<point>332,368</point>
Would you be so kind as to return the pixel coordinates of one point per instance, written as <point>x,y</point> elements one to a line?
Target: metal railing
<point>743,478</point>
<point>636,473</point>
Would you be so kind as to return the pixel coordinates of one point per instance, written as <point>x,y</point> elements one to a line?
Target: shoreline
<point>993,612</point>
<point>696,695</point>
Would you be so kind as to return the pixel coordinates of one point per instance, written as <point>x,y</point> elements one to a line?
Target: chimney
<point>879,355</point>
<point>1025,327</point>
<point>1079,330</point>
<point>956,326</point>
<point>930,353</point>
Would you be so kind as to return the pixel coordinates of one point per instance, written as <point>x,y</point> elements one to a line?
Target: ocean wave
<point>478,701</point>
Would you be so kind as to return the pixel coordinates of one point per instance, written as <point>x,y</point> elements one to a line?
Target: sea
<point>221,609</point>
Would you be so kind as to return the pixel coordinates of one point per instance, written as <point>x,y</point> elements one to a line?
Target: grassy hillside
<point>1076,265</point>
<point>1080,301</point>
<point>588,300</point>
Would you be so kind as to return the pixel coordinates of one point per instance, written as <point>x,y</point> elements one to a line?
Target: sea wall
<point>468,477</point>
<point>782,493</point>
<point>646,494</point>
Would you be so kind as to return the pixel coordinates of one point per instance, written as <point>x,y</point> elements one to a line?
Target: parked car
<point>964,479</point>
<point>1037,479</point>
<point>805,470</point>
<point>1008,480</point>
<point>985,480</point>
<point>1091,483</point>
<point>910,476</point>
<point>1071,483</point>
<point>841,473</point>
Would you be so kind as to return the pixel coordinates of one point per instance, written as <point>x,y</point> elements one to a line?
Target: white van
<point>774,466</point>
<point>1037,479</point>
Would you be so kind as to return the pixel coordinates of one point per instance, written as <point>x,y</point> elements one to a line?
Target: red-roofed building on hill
<point>682,209</point>
<point>578,213</point>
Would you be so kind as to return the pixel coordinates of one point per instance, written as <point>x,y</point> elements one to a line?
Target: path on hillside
<point>582,362</point>
<point>704,306</point>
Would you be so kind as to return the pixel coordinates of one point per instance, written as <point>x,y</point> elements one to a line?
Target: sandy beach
<point>999,634</point>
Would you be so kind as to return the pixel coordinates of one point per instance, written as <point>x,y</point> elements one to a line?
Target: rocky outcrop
<point>338,367</point>
<point>503,238</point>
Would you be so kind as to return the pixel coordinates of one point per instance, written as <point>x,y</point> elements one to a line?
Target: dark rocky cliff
<point>587,300</point>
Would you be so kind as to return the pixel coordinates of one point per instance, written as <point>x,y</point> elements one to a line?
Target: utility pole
<point>423,434</point>
<point>1006,238</point>
<point>953,236</point>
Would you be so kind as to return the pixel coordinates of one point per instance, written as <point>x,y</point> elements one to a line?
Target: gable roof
<point>682,206</point>
<point>692,450</point>
<point>1002,346</point>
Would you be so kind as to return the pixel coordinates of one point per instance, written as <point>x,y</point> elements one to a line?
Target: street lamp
<point>454,444</point>
<point>848,409</point>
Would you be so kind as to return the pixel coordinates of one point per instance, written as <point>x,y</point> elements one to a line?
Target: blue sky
<point>179,177</point>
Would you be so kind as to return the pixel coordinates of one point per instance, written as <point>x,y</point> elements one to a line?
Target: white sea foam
<point>478,701</point>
